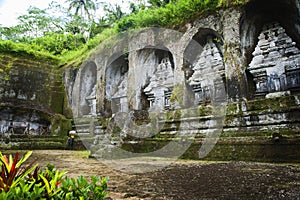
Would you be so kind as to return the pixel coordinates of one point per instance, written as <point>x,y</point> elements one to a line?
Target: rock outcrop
<point>31,101</point>
<point>232,78</point>
<point>243,61</point>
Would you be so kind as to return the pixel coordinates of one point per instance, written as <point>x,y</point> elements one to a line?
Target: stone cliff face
<point>247,58</point>
<point>236,71</point>
<point>31,96</point>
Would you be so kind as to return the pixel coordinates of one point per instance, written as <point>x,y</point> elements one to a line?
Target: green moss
<point>287,132</point>
<point>26,142</point>
<point>67,111</point>
<point>144,146</point>
<point>274,104</point>
<point>36,79</point>
<point>60,125</point>
<point>57,101</point>
<point>103,122</point>
<point>177,95</point>
<point>229,119</point>
<point>177,114</point>
<point>258,150</point>
<point>235,77</point>
<point>116,131</point>
<point>174,115</point>
<point>6,65</point>
<point>231,109</point>
<point>229,3</point>
<point>25,50</point>
<point>205,110</point>
<point>260,106</point>
<point>169,115</point>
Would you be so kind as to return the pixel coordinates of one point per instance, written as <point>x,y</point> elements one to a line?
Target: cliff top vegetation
<point>70,39</point>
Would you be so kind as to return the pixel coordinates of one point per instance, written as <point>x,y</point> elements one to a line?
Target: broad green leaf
<point>4,161</point>
<point>24,158</point>
<point>15,182</point>
<point>46,183</point>
<point>10,162</point>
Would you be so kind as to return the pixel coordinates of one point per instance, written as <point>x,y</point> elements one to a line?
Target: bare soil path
<point>186,180</point>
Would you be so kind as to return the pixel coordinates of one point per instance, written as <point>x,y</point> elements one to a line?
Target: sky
<point>11,9</point>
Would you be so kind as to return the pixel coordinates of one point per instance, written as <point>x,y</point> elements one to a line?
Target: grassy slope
<point>174,15</point>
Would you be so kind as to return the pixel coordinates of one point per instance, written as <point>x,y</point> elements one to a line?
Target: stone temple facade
<point>161,85</point>
<point>231,75</point>
<point>246,59</point>
<point>276,62</point>
<point>203,79</point>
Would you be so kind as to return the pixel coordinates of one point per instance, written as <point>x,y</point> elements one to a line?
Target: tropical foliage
<point>84,6</point>
<point>71,35</point>
<point>174,13</point>
<point>11,171</point>
<point>32,183</point>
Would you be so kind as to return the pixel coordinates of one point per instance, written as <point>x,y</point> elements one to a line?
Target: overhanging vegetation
<point>67,49</point>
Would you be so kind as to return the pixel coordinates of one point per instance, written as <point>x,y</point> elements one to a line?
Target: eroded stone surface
<point>208,72</point>
<point>211,64</point>
<point>276,62</point>
<point>30,95</point>
<point>160,87</point>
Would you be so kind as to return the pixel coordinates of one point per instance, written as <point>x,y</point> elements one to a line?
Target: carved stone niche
<point>161,84</point>
<point>116,84</point>
<point>91,99</point>
<point>276,63</point>
<point>88,90</point>
<point>119,98</point>
<point>30,122</point>
<point>207,72</point>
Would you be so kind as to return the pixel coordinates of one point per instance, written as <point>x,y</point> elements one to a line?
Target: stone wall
<point>31,96</point>
<point>245,61</point>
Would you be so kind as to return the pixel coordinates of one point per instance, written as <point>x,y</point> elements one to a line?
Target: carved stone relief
<point>116,85</point>
<point>208,72</point>
<point>119,97</point>
<point>276,62</point>
<point>161,85</point>
<point>88,90</point>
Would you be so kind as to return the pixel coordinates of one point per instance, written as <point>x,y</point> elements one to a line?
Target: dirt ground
<point>186,180</point>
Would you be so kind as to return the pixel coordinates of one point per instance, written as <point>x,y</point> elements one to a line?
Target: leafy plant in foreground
<point>80,188</point>
<point>49,180</point>
<point>11,171</point>
<point>32,183</point>
<point>24,190</point>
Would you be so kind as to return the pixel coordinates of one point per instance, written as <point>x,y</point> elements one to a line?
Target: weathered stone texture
<point>247,58</point>
<point>31,94</point>
<point>276,62</point>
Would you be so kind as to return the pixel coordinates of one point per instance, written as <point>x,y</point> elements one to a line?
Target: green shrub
<point>58,43</point>
<point>29,50</point>
<point>107,33</point>
<point>50,184</point>
<point>174,14</point>
<point>11,172</point>
<point>80,188</point>
<point>25,190</point>
<point>71,48</point>
<point>126,23</point>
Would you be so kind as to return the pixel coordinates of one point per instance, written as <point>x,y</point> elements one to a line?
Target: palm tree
<point>113,12</point>
<point>84,6</point>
